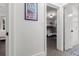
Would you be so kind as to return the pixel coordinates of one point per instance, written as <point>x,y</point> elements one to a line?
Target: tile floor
<point>52,51</point>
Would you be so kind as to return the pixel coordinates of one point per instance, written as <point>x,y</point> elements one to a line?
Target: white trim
<point>39,54</point>
<point>45,24</point>
<point>45,30</point>
<point>7,30</point>
<point>10,42</point>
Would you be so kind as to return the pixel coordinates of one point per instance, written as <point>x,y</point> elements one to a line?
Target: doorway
<point>51,29</point>
<point>70,13</point>
<point>4,28</point>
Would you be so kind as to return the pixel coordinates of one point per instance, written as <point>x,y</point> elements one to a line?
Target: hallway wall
<point>28,35</point>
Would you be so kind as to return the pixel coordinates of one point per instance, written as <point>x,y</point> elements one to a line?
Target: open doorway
<point>4,28</point>
<point>2,35</point>
<point>51,29</point>
<point>69,14</point>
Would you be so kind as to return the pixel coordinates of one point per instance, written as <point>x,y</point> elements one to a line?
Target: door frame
<point>10,30</point>
<point>7,30</point>
<point>45,24</point>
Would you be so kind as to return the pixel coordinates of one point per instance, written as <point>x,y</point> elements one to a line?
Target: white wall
<point>28,35</point>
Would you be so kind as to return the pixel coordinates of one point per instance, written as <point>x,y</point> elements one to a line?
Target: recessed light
<point>70,15</point>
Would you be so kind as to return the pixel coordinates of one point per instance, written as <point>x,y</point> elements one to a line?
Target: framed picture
<point>31,11</point>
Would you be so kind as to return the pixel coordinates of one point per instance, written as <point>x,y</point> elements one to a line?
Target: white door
<point>75,26</point>
<point>71,27</point>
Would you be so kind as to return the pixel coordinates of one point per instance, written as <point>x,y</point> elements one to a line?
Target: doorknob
<point>71,30</point>
<point>7,33</point>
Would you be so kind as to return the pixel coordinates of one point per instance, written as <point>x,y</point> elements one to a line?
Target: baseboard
<point>40,54</point>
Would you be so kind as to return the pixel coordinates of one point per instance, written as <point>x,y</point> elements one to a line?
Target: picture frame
<point>31,11</point>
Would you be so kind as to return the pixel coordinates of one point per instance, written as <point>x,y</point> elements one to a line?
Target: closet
<point>51,21</point>
<point>2,28</point>
<point>51,29</point>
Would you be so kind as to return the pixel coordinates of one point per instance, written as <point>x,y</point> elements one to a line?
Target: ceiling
<point>51,13</point>
<point>59,4</point>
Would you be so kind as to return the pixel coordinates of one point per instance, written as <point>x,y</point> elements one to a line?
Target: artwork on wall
<point>31,11</point>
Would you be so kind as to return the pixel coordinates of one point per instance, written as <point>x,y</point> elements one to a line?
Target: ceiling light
<point>51,14</point>
<point>70,15</point>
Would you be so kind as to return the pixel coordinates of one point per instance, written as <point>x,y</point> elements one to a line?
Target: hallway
<point>28,37</point>
<point>51,49</point>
